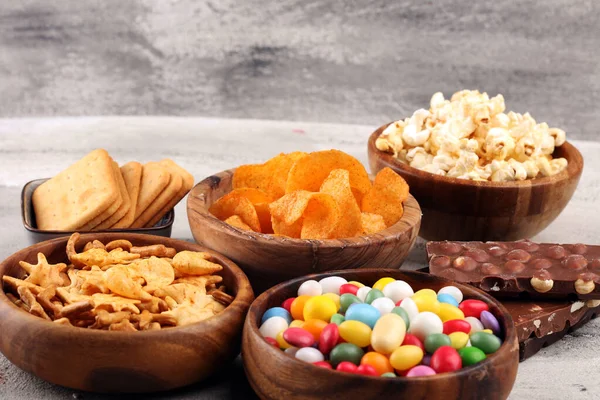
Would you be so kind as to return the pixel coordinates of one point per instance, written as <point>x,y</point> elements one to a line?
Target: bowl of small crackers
<point>303,213</point>
<point>121,313</point>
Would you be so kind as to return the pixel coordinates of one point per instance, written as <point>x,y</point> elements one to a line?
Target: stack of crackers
<point>95,194</point>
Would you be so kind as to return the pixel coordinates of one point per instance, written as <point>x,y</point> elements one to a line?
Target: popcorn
<point>471,137</point>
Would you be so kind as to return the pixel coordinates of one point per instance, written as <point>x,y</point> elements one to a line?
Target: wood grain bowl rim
<point>251,326</point>
<point>571,154</point>
<point>197,203</point>
<point>244,293</point>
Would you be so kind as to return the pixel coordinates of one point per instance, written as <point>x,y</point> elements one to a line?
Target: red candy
<point>288,304</point>
<point>272,342</point>
<point>298,337</point>
<point>347,366</point>
<point>366,369</point>
<point>323,364</point>
<point>473,308</point>
<point>330,335</point>
<point>457,325</point>
<point>412,339</point>
<point>348,288</point>
<point>446,359</point>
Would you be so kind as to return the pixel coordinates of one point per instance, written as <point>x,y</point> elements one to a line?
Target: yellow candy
<point>405,357</point>
<point>357,284</point>
<point>458,340</point>
<point>447,312</point>
<point>297,323</point>
<point>356,332</point>
<point>388,333</point>
<point>319,307</point>
<point>380,284</point>
<point>281,341</point>
<point>426,293</point>
<point>426,303</point>
<point>487,331</point>
<point>335,298</point>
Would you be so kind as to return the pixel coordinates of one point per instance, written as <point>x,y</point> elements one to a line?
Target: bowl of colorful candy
<point>378,333</point>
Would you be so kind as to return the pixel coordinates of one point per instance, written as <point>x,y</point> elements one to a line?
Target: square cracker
<point>164,198</point>
<point>125,205</point>
<point>188,183</point>
<point>155,179</point>
<point>76,195</point>
<point>132,174</point>
<point>113,208</point>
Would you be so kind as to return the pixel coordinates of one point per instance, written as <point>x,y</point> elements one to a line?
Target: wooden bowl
<point>269,260</point>
<point>119,362</point>
<point>460,209</point>
<point>274,374</point>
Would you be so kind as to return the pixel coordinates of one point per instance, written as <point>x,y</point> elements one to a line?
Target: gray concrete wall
<point>345,61</point>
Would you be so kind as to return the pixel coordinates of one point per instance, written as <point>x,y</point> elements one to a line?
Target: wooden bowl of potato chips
<point>121,313</point>
<point>300,214</point>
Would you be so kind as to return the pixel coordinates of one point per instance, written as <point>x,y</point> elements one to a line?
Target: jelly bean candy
<point>364,313</point>
<point>272,341</point>
<point>335,298</point>
<point>490,322</point>
<point>357,284</point>
<point>425,293</point>
<point>445,359</point>
<point>287,304</point>
<point>435,341</point>
<point>471,355</point>
<point>355,332</point>
<point>426,303</point>
<point>298,337</point>
<point>411,308</point>
<point>424,324</point>
<point>337,319</point>
<point>309,355</point>
<point>332,284</point>
<point>382,283</point>
<point>346,352</point>
<point>446,298</point>
<point>346,300</point>
<point>388,333</point>
<point>458,340</point>
<point>406,357</point>
<point>402,312</point>
<point>348,288</point>
<point>273,326</point>
<point>329,338</point>
<point>473,307</point>
<point>297,307</point>
<point>426,359</point>
<point>281,342</point>
<point>365,369</point>
<point>397,291</point>
<point>452,291</point>
<point>388,375</point>
<point>277,312</point>
<point>448,312</point>
<point>457,325</point>
<point>362,292</point>
<point>297,323</point>
<point>378,361</point>
<point>346,366</point>
<point>384,305</point>
<point>315,327</point>
<point>476,324</point>
<point>319,307</point>
<point>372,295</point>
<point>323,364</point>
<point>413,340</point>
<point>291,351</point>
<point>310,288</point>
<point>487,331</point>
<point>486,342</point>
<point>420,370</point>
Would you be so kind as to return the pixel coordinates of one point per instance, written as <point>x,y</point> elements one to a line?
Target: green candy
<point>372,295</point>
<point>436,340</point>
<point>337,319</point>
<point>388,375</point>
<point>346,300</point>
<point>486,342</point>
<point>471,355</point>
<point>346,352</point>
<point>402,312</point>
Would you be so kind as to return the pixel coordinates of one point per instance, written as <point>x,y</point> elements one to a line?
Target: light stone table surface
<point>35,148</point>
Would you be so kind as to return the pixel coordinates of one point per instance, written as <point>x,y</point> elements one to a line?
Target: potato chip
<point>386,197</point>
<point>320,218</point>
<point>254,195</point>
<point>308,173</point>
<point>236,221</point>
<point>260,200</point>
<point>337,185</point>
<point>228,205</point>
<point>372,223</point>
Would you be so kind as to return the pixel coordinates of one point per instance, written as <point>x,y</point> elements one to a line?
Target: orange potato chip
<point>308,173</point>
<point>321,217</point>
<point>234,204</point>
<point>260,200</point>
<point>264,216</point>
<point>337,185</point>
<point>386,196</point>
<point>372,223</point>
<point>236,221</point>
<point>255,196</point>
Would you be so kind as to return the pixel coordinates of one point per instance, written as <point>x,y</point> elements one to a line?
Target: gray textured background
<point>345,61</point>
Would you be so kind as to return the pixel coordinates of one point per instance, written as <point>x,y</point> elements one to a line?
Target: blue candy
<point>446,298</point>
<point>277,312</point>
<point>364,313</point>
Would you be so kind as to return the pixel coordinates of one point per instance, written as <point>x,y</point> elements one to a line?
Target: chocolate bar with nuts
<point>520,269</point>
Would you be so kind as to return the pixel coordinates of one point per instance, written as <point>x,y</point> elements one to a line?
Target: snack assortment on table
<point>387,330</point>
<point>95,194</point>
<point>120,287</point>
<point>471,137</point>
<point>320,195</point>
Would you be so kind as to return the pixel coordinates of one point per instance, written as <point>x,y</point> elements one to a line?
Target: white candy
<point>410,307</point>
<point>309,355</point>
<point>292,351</point>
<point>397,290</point>
<point>452,291</point>
<point>332,284</point>
<point>310,288</point>
<point>384,305</point>
<point>476,324</point>
<point>272,326</point>
<point>362,292</point>
<point>424,324</point>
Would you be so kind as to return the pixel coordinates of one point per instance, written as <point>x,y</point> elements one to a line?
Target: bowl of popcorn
<point>478,172</point>
<point>121,313</point>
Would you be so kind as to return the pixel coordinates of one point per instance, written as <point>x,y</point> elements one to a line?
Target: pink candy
<point>420,370</point>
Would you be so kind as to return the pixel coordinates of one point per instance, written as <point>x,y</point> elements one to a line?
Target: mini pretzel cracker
<point>121,287</point>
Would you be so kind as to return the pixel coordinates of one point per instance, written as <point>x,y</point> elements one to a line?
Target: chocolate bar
<point>540,324</point>
<point>523,268</point>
